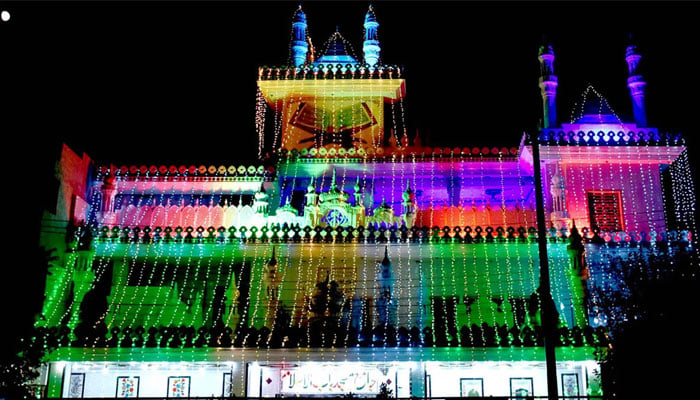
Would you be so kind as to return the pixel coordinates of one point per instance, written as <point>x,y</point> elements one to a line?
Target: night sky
<point>175,82</point>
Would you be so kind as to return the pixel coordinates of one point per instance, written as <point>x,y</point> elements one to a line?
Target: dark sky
<point>175,82</point>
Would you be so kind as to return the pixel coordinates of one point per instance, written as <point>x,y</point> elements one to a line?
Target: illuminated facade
<point>354,256</point>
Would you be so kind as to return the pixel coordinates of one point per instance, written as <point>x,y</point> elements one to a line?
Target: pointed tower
<point>636,84</point>
<point>359,196</point>
<point>339,109</point>
<point>109,193</point>
<point>410,207</point>
<point>386,275</point>
<point>386,304</point>
<point>311,207</point>
<point>272,289</point>
<point>300,46</point>
<point>370,47</point>
<point>559,217</point>
<point>548,85</point>
<point>359,207</point>
<point>271,278</point>
<point>260,202</point>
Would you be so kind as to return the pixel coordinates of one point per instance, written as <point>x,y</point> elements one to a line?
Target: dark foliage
<point>650,319</point>
<point>19,364</point>
<point>385,392</point>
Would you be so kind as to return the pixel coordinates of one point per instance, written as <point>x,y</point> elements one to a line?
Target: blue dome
<point>336,51</point>
<point>299,15</point>
<point>595,109</point>
<point>370,17</point>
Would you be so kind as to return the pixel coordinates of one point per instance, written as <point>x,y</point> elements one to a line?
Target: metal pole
<point>548,309</point>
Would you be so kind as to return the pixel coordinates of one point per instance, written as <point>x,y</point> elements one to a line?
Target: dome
<point>370,17</point>
<point>337,51</point>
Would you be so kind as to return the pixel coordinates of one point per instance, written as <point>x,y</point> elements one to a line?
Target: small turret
<point>548,85</point>
<point>108,193</point>
<point>370,47</point>
<point>557,188</point>
<point>334,184</point>
<point>260,201</point>
<point>334,194</point>
<point>272,286</point>
<point>636,84</point>
<point>386,306</point>
<point>311,195</point>
<point>300,46</point>
<point>409,205</point>
<point>358,193</point>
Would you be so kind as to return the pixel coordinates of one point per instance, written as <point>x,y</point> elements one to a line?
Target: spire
<point>548,84</point>
<point>370,47</point>
<point>636,83</point>
<point>408,194</point>
<point>273,259</point>
<point>334,185</point>
<point>358,193</point>
<point>386,260</point>
<point>260,200</point>
<point>358,187</point>
<point>299,44</point>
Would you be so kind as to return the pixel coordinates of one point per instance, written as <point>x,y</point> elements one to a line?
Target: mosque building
<point>354,256</point>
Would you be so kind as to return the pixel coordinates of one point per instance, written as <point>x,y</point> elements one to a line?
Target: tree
<point>325,311</point>
<point>327,300</point>
<point>385,392</point>
<point>647,300</point>
<point>25,348</point>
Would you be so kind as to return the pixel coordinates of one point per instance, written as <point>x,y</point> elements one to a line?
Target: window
<point>605,210</point>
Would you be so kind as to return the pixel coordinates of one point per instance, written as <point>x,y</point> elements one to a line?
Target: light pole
<point>548,309</point>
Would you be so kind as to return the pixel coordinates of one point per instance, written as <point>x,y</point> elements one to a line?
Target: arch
<point>201,216</point>
<point>216,216</point>
<point>128,216</point>
<point>159,216</point>
<point>187,216</point>
<point>146,214</point>
<point>229,216</point>
<point>245,216</point>
<point>173,216</point>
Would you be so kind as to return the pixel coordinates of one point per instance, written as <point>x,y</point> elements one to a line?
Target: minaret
<point>109,193</point>
<point>636,84</point>
<point>271,281</point>
<point>557,188</point>
<point>409,205</point>
<point>358,193</point>
<point>311,207</point>
<point>300,47</point>
<point>548,85</point>
<point>311,195</point>
<point>272,289</point>
<point>371,44</point>
<point>386,306</point>
<point>334,185</point>
<point>260,201</point>
<point>386,275</point>
<point>359,207</point>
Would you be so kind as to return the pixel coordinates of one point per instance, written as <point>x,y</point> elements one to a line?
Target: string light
<point>426,278</point>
